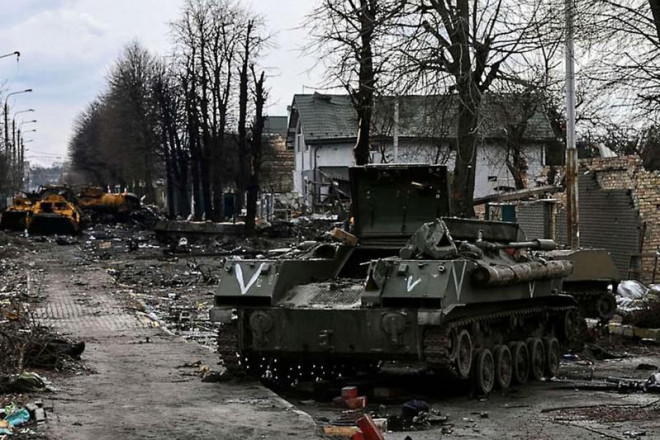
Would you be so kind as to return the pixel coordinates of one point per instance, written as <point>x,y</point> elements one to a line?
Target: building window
<point>492,178</point>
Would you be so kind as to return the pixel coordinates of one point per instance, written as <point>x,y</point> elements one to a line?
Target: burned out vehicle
<point>54,214</point>
<point>465,296</point>
<point>99,205</point>
<point>49,210</point>
<point>15,217</point>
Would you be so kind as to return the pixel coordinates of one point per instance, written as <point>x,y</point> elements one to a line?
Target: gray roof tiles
<point>327,118</point>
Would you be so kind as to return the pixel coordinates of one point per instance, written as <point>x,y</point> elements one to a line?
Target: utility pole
<point>572,217</point>
<point>395,137</point>
<point>17,178</point>
<point>13,139</point>
<point>6,127</point>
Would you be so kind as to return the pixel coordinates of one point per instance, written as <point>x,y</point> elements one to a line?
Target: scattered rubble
<point>173,287</point>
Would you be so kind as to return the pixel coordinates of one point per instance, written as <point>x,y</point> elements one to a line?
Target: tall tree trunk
<point>466,150</point>
<point>205,148</point>
<point>243,153</point>
<point>469,100</point>
<point>169,175</point>
<point>256,146</point>
<point>364,100</point>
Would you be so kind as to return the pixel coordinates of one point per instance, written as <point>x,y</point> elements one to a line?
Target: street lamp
<point>7,114</point>
<point>26,122</point>
<point>17,53</point>
<point>23,111</point>
<point>14,145</point>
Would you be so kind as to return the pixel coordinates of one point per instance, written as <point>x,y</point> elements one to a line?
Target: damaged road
<point>150,370</point>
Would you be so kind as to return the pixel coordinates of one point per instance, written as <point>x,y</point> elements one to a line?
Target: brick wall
<point>626,207</point>
<point>627,172</point>
<point>277,166</point>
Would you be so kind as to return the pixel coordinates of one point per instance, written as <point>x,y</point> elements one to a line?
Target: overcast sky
<point>67,47</point>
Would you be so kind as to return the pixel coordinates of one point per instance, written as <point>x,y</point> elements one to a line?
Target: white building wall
<point>491,171</point>
<point>334,155</point>
<point>299,149</point>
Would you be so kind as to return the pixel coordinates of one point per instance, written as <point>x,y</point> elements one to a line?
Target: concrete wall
<point>535,219</point>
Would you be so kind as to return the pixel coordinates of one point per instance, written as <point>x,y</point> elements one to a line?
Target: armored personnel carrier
<point>465,296</point>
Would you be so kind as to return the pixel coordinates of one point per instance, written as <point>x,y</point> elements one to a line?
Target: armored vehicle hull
<point>592,283</point>
<point>475,313</point>
<point>54,214</point>
<point>465,297</point>
<point>15,217</point>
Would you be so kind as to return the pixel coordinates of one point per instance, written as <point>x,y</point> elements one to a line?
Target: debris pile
<point>19,418</point>
<point>631,295</point>
<point>23,341</point>
<point>639,305</point>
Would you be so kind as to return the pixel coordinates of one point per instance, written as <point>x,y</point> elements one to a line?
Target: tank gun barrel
<point>539,244</point>
<point>504,275</point>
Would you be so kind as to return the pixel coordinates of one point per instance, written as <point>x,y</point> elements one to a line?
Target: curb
<point>630,331</point>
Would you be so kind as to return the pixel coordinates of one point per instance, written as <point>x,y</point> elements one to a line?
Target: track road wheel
<point>536,358</point>
<point>503,367</point>
<point>228,349</point>
<point>606,306</point>
<point>463,354</point>
<point>484,371</point>
<point>570,325</point>
<point>520,357</point>
<point>552,355</point>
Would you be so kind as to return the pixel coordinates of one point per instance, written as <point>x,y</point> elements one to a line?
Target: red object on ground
<point>339,402</point>
<point>359,435</point>
<point>357,403</point>
<point>369,429</point>
<point>349,393</point>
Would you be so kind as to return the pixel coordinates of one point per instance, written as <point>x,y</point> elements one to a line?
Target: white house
<point>407,129</point>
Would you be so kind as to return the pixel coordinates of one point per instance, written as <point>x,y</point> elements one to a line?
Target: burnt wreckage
<point>471,297</point>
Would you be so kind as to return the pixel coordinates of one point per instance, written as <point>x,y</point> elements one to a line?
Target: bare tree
<point>462,48</point>
<point>350,36</point>
<point>174,148</point>
<point>217,41</point>
<point>256,141</point>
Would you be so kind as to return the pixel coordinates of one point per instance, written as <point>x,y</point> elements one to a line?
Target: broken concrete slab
<point>169,229</point>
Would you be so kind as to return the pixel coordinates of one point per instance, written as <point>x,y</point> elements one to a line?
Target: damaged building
<point>619,210</point>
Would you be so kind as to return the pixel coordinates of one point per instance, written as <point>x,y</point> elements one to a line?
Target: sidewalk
<point>141,389</point>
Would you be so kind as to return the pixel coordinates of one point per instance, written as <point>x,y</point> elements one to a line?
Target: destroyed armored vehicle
<point>99,204</point>
<point>50,210</point>
<point>15,217</point>
<point>55,212</point>
<point>592,283</point>
<point>464,296</point>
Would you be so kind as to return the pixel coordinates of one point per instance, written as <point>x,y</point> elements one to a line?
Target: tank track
<point>588,303</point>
<point>228,347</point>
<point>437,344</point>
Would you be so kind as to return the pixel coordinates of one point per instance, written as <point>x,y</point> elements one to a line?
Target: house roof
<point>331,118</point>
<point>275,125</point>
